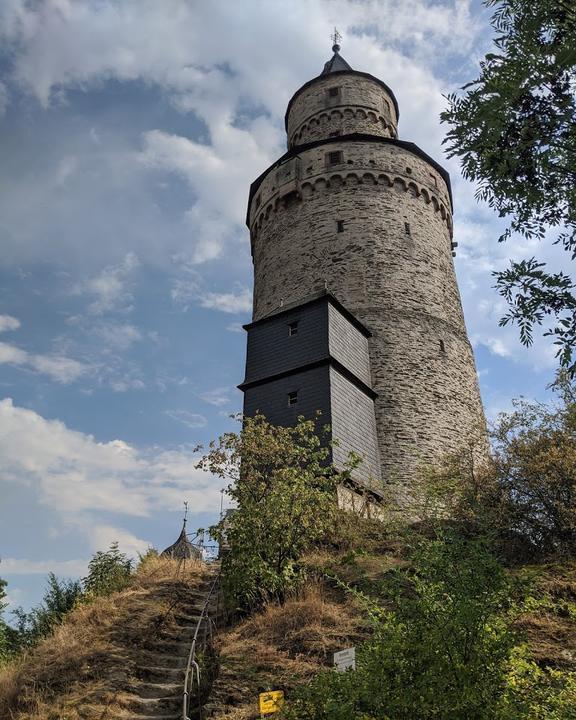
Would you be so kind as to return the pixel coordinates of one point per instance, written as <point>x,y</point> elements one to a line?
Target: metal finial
<point>185,510</point>
<point>336,37</point>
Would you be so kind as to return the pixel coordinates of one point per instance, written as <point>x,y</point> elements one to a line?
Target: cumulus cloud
<point>7,322</point>
<point>188,289</point>
<point>63,370</point>
<point>217,397</point>
<point>72,473</point>
<point>23,566</point>
<point>190,419</point>
<point>109,288</point>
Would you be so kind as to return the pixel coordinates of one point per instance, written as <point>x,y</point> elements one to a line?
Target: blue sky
<point>130,131</point>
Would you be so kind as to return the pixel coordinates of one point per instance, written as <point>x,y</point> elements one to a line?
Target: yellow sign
<point>271,702</point>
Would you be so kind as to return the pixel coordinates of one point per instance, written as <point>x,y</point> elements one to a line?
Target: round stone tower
<point>353,212</point>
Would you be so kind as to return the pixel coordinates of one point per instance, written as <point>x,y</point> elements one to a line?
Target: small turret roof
<point>336,62</point>
<point>182,549</point>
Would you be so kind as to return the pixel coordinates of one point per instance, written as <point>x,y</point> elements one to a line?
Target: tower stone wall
<point>340,104</point>
<point>368,218</point>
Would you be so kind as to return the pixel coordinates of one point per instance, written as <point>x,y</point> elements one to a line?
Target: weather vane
<point>336,37</point>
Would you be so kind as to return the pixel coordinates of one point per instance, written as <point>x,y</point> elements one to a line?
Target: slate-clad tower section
<point>354,210</point>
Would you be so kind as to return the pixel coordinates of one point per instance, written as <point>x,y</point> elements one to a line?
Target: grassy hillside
<point>97,661</point>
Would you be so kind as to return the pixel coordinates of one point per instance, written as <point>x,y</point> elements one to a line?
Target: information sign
<point>271,702</point>
<point>345,659</point>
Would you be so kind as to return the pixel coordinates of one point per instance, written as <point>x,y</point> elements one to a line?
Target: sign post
<point>345,660</point>
<point>271,702</point>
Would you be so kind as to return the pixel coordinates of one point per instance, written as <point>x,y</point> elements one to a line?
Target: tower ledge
<point>354,137</point>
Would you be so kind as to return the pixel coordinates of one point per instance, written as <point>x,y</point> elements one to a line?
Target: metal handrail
<point>192,667</point>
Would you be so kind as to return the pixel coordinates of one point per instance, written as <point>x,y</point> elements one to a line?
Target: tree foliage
<point>284,490</point>
<point>4,642</point>
<point>108,572</point>
<point>59,598</point>
<point>525,499</point>
<point>514,130</point>
<point>442,647</point>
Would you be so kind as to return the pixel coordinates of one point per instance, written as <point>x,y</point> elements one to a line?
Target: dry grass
<point>281,647</point>
<point>551,631</point>
<point>83,669</point>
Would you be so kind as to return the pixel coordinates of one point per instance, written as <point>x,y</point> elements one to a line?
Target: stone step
<point>155,690</point>
<point>158,673</point>
<point>154,706</point>
<point>152,658</point>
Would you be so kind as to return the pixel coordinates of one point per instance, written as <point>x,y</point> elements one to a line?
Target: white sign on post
<point>345,660</point>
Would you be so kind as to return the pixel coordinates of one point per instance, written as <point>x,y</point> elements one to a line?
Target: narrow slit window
<point>336,133</point>
<point>339,226</point>
<point>407,228</point>
<point>293,328</point>
<point>258,201</point>
<point>442,346</point>
<point>293,397</point>
<point>334,157</point>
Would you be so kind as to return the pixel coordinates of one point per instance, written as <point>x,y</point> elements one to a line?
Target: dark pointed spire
<point>183,549</point>
<point>337,62</point>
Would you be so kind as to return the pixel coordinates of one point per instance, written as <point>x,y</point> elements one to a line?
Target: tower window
<point>339,226</point>
<point>409,171</point>
<point>442,346</point>
<point>258,200</point>
<point>336,133</point>
<point>293,328</point>
<point>434,180</point>
<point>407,228</point>
<point>333,158</point>
<point>333,92</point>
<point>292,398</point>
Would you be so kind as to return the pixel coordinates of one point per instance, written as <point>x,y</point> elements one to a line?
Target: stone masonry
<point>353,210</point>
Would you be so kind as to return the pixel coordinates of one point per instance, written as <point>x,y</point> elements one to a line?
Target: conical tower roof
<point>182,549</point>
<point>336,62</point>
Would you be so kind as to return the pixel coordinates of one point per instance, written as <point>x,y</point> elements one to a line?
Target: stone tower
<point>356,306</point>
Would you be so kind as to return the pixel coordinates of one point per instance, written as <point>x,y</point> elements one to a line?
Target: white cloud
<point>240,302</point>
<point>217,397</point>
<point>235,328</point>
<point>109,287</point>
<point>102,536</point>
<point>7,322</point>
<point>118,336</point>
<point>73,474</point>
<point>61,369</point>
<point>191,420</point>
<point>22,566</point>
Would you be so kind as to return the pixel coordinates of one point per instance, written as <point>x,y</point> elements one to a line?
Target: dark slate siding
<point>348,345</point>
<point>271,398</point>
<point>272,350</point>
<point>354,426</point>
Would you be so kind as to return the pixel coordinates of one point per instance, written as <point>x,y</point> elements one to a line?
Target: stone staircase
<point>156,693</point>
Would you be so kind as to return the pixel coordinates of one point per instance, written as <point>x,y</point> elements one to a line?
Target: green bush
<point>284,490</point>
<point>442,648</point>
<point>59,598</point>
<point>108,572</point>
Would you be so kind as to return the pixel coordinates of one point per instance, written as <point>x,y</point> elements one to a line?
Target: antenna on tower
<point>335,37</point>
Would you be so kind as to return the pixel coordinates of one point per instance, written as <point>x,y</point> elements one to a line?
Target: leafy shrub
<point>284,489</point>
<point>525,499</point>
<point>59,598</point>
<point>108,572</point>
<point>442,647</point>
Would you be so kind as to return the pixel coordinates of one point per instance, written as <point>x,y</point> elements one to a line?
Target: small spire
<point>336,62</point>
<point>336,37</point>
